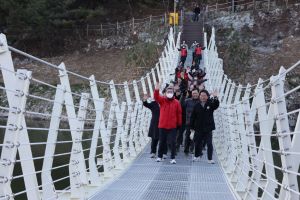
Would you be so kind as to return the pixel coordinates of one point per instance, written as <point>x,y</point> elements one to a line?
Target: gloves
<point>192,134</point>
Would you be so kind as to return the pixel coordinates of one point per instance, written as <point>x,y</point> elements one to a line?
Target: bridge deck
<point>146,179</point>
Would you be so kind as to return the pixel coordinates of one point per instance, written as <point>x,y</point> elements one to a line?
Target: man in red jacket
<point>183,54</point>
<point>170,119</point>
<point>198,54</point>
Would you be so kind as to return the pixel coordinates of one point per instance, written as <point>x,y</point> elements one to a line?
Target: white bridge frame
<point>128,116</point>
<point>244,115</point>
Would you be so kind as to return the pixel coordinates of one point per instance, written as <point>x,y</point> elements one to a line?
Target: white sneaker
<point>211,162</point>
<point>152,155</point>
<point>158,160</point>
<point>173,161</point>
<point>195,159</point>
<point>165,156</point>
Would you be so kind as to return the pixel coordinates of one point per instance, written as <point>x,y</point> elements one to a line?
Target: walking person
<point>183,54</point>
<point>198,54</point>
<point>192,48</point>
<point>202,124</point>
<point>196,13</point>
<point>189,105</point>
<point>169,121</point>
<point>153,129</point>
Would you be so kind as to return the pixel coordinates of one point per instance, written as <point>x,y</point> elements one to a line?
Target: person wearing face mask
<point>202,124</point>
<point>153,129</point>
<point>169,121</point>
<point>189,105</point>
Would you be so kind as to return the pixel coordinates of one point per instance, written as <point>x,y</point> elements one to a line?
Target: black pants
<point>182,59</point>
<point>198,59</point>
<point>196,17</point>
<point>188,143</point>
<point>179,137</point>
<point>167,136</point>
<point>199,138</point>
<point>154,143</point>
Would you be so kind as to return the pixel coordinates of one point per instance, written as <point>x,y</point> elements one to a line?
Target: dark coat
<point>153,129</point>
<point>189,105</point>
<point>197,10</point>
<point>202,118</point>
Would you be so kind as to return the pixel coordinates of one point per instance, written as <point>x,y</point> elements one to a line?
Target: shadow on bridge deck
<point>148,180</point>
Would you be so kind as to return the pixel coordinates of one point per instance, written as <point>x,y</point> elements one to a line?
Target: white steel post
<point>244,180</point>
<point>243,159</point>
<point>133,129</point>
<point>77,163</point>
<point>143,118</point>
<point>154,78</point>
<point>282,124</point>
<point>109,126</point>
<point>144,85</point>
<point>231,135</point>
<point>225,125</point>
<point>295,145</point>
<point>159,76</point>
<point>235,135</point>
<point>47,181</point>
<point>129,121</point>
<point>16,135</point>
<point>138,107</point>
<point>95,177</point>
<point>252,187</point>
<point>81,116</point>
<point>17,89</point>
<point>162,70</point>
<point>266,122</point>
<point>24,150</point>
<point>150,85</point>
<point>120,117</point>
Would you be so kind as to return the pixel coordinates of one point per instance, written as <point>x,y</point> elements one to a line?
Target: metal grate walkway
<point>146,179</point>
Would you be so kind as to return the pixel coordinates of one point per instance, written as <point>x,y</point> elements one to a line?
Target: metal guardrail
<point>71,159</point>
<point>257,146</point>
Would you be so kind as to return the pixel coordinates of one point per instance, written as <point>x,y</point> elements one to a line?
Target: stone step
<point>192,31</point>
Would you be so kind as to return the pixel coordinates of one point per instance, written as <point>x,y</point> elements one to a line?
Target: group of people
<point>196,49</point>
<point>184,106</point>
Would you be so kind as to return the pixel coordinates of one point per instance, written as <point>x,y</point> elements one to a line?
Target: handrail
<point>101,134</point>
<point>247,128</point>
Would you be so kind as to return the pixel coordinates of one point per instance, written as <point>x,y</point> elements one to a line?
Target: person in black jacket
<point>196,13</point>
<point>202,124</point>
<point>188,106</point>
<point>153,129</point>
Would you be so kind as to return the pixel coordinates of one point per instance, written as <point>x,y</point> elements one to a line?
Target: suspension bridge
<point>94,145</point>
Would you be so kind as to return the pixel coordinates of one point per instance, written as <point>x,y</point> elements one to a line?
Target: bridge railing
<point>257,132</point>
<point>85,139</point>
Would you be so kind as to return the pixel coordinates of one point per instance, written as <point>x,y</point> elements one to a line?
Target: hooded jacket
<point>170,112</point>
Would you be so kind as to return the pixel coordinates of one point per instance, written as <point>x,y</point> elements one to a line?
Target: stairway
<point>192,31</point>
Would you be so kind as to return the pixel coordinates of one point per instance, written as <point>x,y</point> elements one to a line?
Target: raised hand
<point>145,97</point>
<point>215,93</point>
<point>157,85</point>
